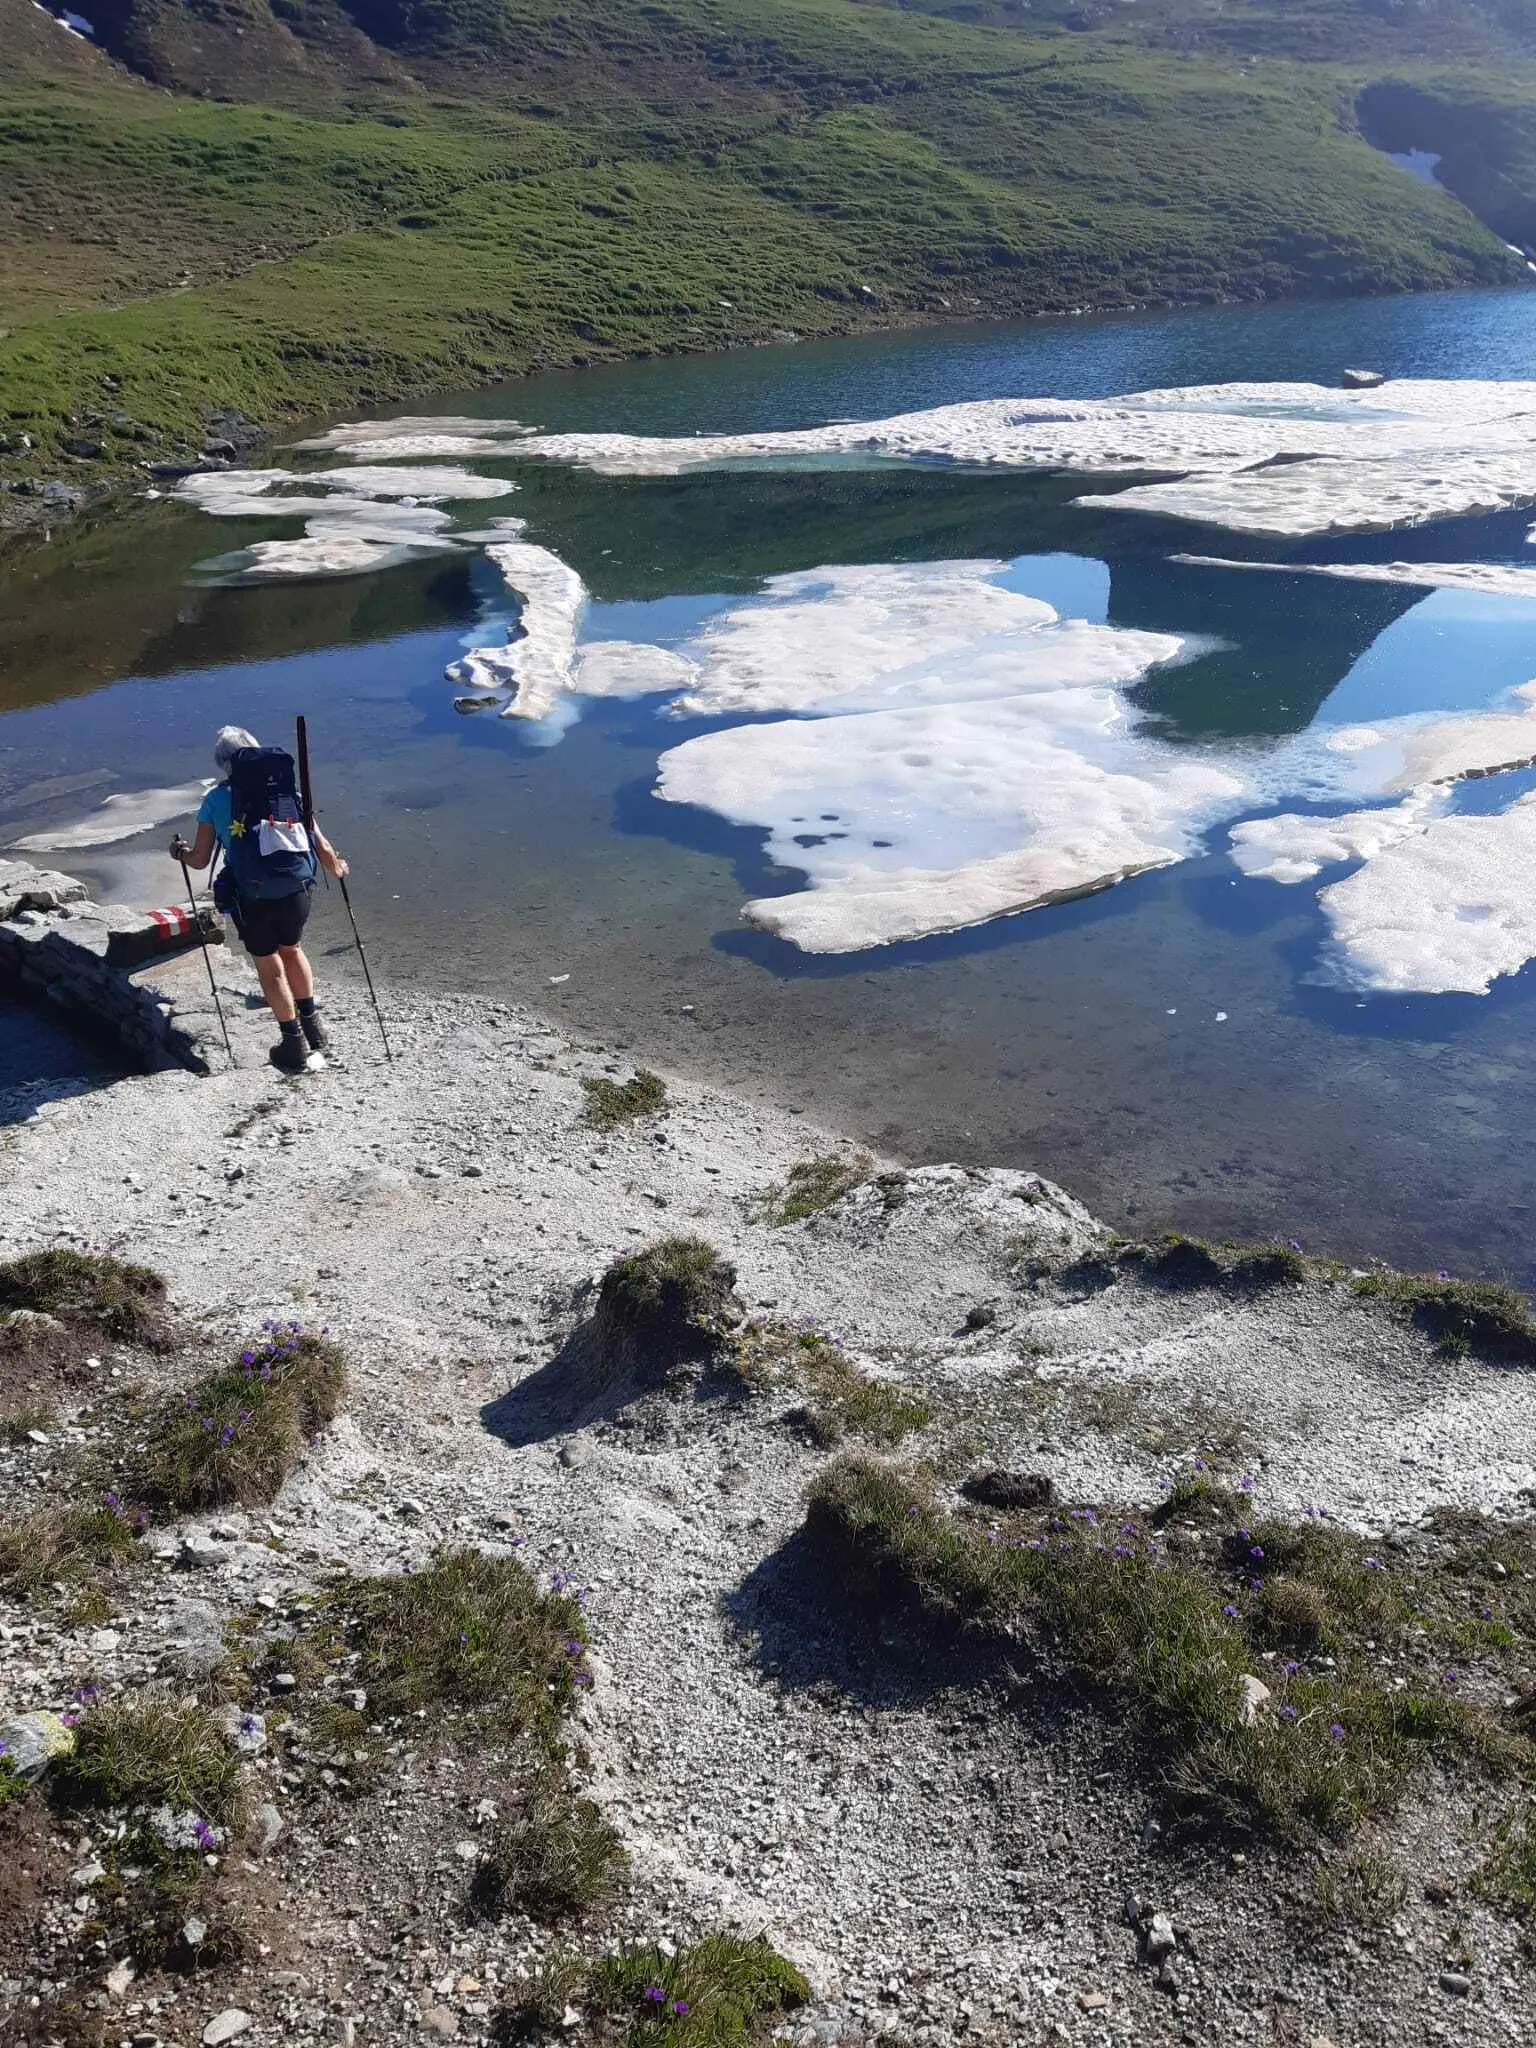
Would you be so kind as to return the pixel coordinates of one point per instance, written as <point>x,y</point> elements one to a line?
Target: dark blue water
<point>1081,1040</point>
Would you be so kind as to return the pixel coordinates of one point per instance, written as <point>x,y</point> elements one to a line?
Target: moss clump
<point>661,1307</point>
<point>1508,1878</point>
<point>1161,1638</point>
<point>611,1103</point>
<point>1464,1315</point>
<point>148,1751</point>
<point>123,1301</point>
<point>553,1855</point>
<point>239,1433</point>
<point>853,1403</point>
<point>470,1636</point>
<point>720,1991</point>
<point>815,1184</point>
<point>78,1551</point>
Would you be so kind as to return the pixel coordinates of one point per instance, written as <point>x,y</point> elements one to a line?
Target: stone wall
<point>117,972</point>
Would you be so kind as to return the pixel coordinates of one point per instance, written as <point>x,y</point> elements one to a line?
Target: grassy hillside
<point>396,194</point>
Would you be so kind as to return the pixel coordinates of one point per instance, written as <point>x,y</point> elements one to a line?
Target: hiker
<point>252,813</point>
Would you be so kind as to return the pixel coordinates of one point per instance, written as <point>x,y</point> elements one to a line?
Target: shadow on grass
<point>804,1636</point>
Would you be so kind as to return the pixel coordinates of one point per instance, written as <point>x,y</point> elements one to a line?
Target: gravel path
<point>944,1869</point>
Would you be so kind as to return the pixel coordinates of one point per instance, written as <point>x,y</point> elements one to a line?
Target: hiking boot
<point>290,1055</point>
<point>313,1028</point>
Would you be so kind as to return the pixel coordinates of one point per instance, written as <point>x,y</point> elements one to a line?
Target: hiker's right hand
<point>179,848</point>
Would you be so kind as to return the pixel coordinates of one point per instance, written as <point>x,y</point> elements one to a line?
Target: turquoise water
<point>1080,1040</point>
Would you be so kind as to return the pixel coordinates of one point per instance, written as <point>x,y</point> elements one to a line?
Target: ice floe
<point>1284,459</point>
<point>1001,770</point>
<point>119,817</point>
<point>357,520</point>
<point>536,666</point>
<point>411,439</point>
<point>1450,908</point>
<point>843,638</point>
<point>1293,846</point>
<point>1405,753</point>
<point>1493,579</point>
<point>929,820</point>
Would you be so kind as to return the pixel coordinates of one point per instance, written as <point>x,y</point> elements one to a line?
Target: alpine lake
<point>1165,1048</point>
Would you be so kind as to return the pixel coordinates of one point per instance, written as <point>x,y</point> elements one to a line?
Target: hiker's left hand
<point>179,848</point>
<point>340,867</point>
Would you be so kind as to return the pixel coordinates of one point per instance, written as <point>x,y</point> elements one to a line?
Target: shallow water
<point>1082,1040</point>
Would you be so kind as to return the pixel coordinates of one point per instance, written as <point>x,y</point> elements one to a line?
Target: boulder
<point>1362,380</point>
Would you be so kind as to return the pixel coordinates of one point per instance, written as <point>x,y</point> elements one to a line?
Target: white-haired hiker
<point>252,813</point>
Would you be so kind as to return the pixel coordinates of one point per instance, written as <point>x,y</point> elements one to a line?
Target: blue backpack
<point>269,853</point>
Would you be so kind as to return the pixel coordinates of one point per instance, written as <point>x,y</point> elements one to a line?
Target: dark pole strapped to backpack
<point>207,956</point>
<point>307,804</point>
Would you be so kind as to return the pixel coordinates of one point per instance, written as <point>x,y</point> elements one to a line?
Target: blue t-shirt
<point>217,809</point>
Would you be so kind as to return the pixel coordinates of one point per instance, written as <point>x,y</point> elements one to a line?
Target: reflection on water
<point>1082,1040</point>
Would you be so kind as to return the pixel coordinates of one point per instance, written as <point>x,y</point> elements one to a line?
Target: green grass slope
<point>391,195</point>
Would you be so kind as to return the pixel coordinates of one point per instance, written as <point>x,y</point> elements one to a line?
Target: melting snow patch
<point>119,817</point>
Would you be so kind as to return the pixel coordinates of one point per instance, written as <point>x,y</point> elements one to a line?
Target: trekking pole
<point>307,801</point>
<point>202,936</point>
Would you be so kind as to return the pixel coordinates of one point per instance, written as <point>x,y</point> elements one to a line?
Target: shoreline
<point>35,505</point>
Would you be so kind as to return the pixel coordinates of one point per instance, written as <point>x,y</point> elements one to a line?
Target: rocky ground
<point>944,1868</point>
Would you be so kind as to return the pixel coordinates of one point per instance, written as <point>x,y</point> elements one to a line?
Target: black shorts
<point>275,921</point>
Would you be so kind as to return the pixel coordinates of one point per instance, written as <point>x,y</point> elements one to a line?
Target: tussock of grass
<point>665,1305</point>
<point>152,1750</point>
<point>469,1635</point>
<point>815,1184</point>
<point>720,1991</point>
<point>611,1103</point>
<point>1465,1315</point>
<point>1160,1638</point>
<point>553,1854</point>
<point>240,1432</point>
<point>126,1302</point>
<point>1178,1261</point>
<point>79,1550</point>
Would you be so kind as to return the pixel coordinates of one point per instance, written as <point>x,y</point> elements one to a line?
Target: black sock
<point>289,1026</point>
<point>306,1006</point>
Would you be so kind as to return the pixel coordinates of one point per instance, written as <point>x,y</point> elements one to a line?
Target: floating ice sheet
<point>1293,846</point>
<point>1262,458</point>
<point>1000,770</point>
<point>357,521</point>
<point>1450,908</point>
<point>840,639</point>
<point>1493,579</point>
<point>1404,753</point>
<point>119,817</point>
<point>929,820</point>
<point>536,666</point>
